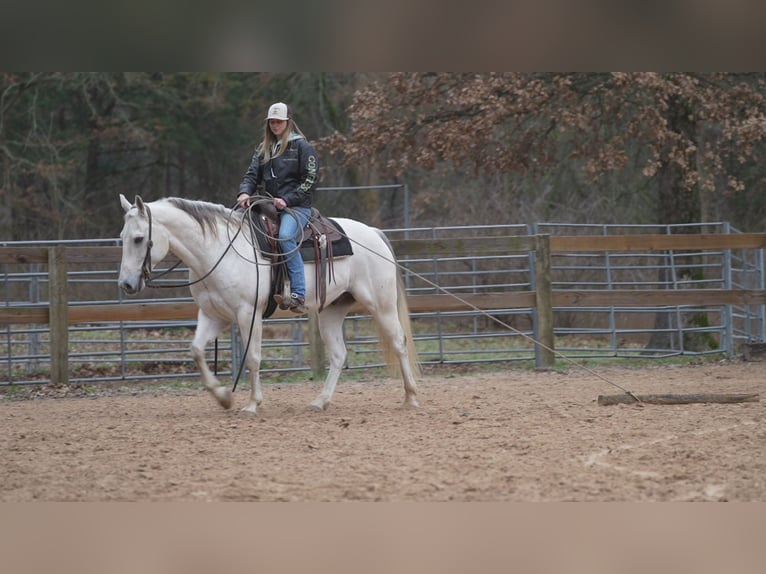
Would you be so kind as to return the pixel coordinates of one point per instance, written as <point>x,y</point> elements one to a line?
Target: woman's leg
<point>289,234</point>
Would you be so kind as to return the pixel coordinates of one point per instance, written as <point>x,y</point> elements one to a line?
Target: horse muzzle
<point>131,287</point>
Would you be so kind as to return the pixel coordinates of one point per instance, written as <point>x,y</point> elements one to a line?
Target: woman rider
<point>287,165</point>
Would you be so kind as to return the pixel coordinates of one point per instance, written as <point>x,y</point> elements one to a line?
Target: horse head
<point>143,244</point>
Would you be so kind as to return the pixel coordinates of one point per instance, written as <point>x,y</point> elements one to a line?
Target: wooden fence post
<point>58,315</point>
<point>544,355</point>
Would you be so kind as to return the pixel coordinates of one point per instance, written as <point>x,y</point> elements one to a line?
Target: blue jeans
<point>289,234</point>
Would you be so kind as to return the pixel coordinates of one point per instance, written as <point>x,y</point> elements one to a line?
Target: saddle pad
<point>340,247</point>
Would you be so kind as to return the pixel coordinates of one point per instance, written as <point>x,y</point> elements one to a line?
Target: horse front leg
<point>207,329</point>
<point>253,357</point>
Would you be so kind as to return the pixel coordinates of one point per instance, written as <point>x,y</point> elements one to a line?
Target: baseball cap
<point>278,111</point>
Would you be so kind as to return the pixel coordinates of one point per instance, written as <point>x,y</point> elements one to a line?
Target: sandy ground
<point>509,436</point>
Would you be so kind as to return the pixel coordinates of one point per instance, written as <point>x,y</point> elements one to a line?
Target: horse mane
<point>207,215</point>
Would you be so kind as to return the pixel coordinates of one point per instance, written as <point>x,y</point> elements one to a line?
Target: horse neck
<point>186,240</point>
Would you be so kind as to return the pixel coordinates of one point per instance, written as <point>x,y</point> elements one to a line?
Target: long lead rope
<point>492,317</point>
<point>252,317</point>
<point>252,240</point>
<point>150,280</point>
<point>496,320</point>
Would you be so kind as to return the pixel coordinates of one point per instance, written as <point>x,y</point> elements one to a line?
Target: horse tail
<point>404,319</point>
<point>403,313</point>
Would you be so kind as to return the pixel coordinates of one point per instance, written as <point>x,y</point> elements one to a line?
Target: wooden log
<point>679,399</point>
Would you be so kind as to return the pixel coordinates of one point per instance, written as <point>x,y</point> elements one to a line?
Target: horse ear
<point>140,203</point>
<point>125,203</point>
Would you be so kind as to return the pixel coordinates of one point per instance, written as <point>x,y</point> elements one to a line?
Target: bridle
<point>150,281</point>
<point>146,266</point>
<point>146,272</point>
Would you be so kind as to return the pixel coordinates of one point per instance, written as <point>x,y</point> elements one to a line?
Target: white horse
<point>213,243</point>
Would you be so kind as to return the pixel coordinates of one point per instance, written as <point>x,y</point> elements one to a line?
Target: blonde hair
<point>270,140</point>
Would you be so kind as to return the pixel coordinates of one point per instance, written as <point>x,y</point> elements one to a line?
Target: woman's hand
<point>243,200</point>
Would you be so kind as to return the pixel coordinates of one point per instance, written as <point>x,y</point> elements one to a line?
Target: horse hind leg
<point>398,346</point>
<point>395,338</point>
<point>392,315</point>
<point>331,329</point>
<point>397,349</point>
<point>207,329</point>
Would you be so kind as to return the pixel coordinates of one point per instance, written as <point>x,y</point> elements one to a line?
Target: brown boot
<point>282,301</point>
<point>297,304</point>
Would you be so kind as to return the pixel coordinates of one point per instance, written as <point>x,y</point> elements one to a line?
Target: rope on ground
<point>498,321</point>
<point>458,298</point>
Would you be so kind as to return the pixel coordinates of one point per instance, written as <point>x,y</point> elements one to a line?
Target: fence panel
<point>636,295</point>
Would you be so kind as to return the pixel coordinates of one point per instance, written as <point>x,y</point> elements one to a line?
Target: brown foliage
<point>697,124</point>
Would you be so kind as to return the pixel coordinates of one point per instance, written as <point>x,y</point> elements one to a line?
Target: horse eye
<point>138,240</point>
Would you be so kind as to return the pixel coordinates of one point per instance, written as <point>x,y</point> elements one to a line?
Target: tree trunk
<point>6,207</point>
<point>675,205</point>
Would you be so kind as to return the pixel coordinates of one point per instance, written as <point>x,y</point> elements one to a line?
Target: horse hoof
<point>252,408</point>
<point>224,397</point>
<point>411,403</point>
<point>317,406</point>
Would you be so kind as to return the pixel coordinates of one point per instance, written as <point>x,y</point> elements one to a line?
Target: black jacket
<point>291,176</point>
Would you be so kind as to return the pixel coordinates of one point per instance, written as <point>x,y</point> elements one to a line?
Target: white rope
<point>496,320</point>
<point>453,295</point>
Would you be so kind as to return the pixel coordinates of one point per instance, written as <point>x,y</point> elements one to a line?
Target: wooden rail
<point>417,304</point>
<point>59,314</point>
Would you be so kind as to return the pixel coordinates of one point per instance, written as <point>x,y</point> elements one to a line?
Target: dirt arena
<point>514,435</point>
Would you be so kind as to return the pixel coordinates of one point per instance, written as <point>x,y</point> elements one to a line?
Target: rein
<point>146,271</point>
<point>146,266</point>
<point>151,281</point>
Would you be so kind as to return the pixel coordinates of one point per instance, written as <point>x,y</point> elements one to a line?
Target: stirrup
<point>297,304</point>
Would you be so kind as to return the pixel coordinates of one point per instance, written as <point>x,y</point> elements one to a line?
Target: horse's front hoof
<point>318,406</point>
<point>224,397</point>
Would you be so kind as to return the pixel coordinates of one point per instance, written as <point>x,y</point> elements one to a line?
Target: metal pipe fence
<point>112,351</point>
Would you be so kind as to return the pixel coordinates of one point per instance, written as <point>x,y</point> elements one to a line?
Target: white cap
<point>278,111</point>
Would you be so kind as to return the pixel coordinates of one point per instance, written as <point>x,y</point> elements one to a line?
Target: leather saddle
<point>323,240</point>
